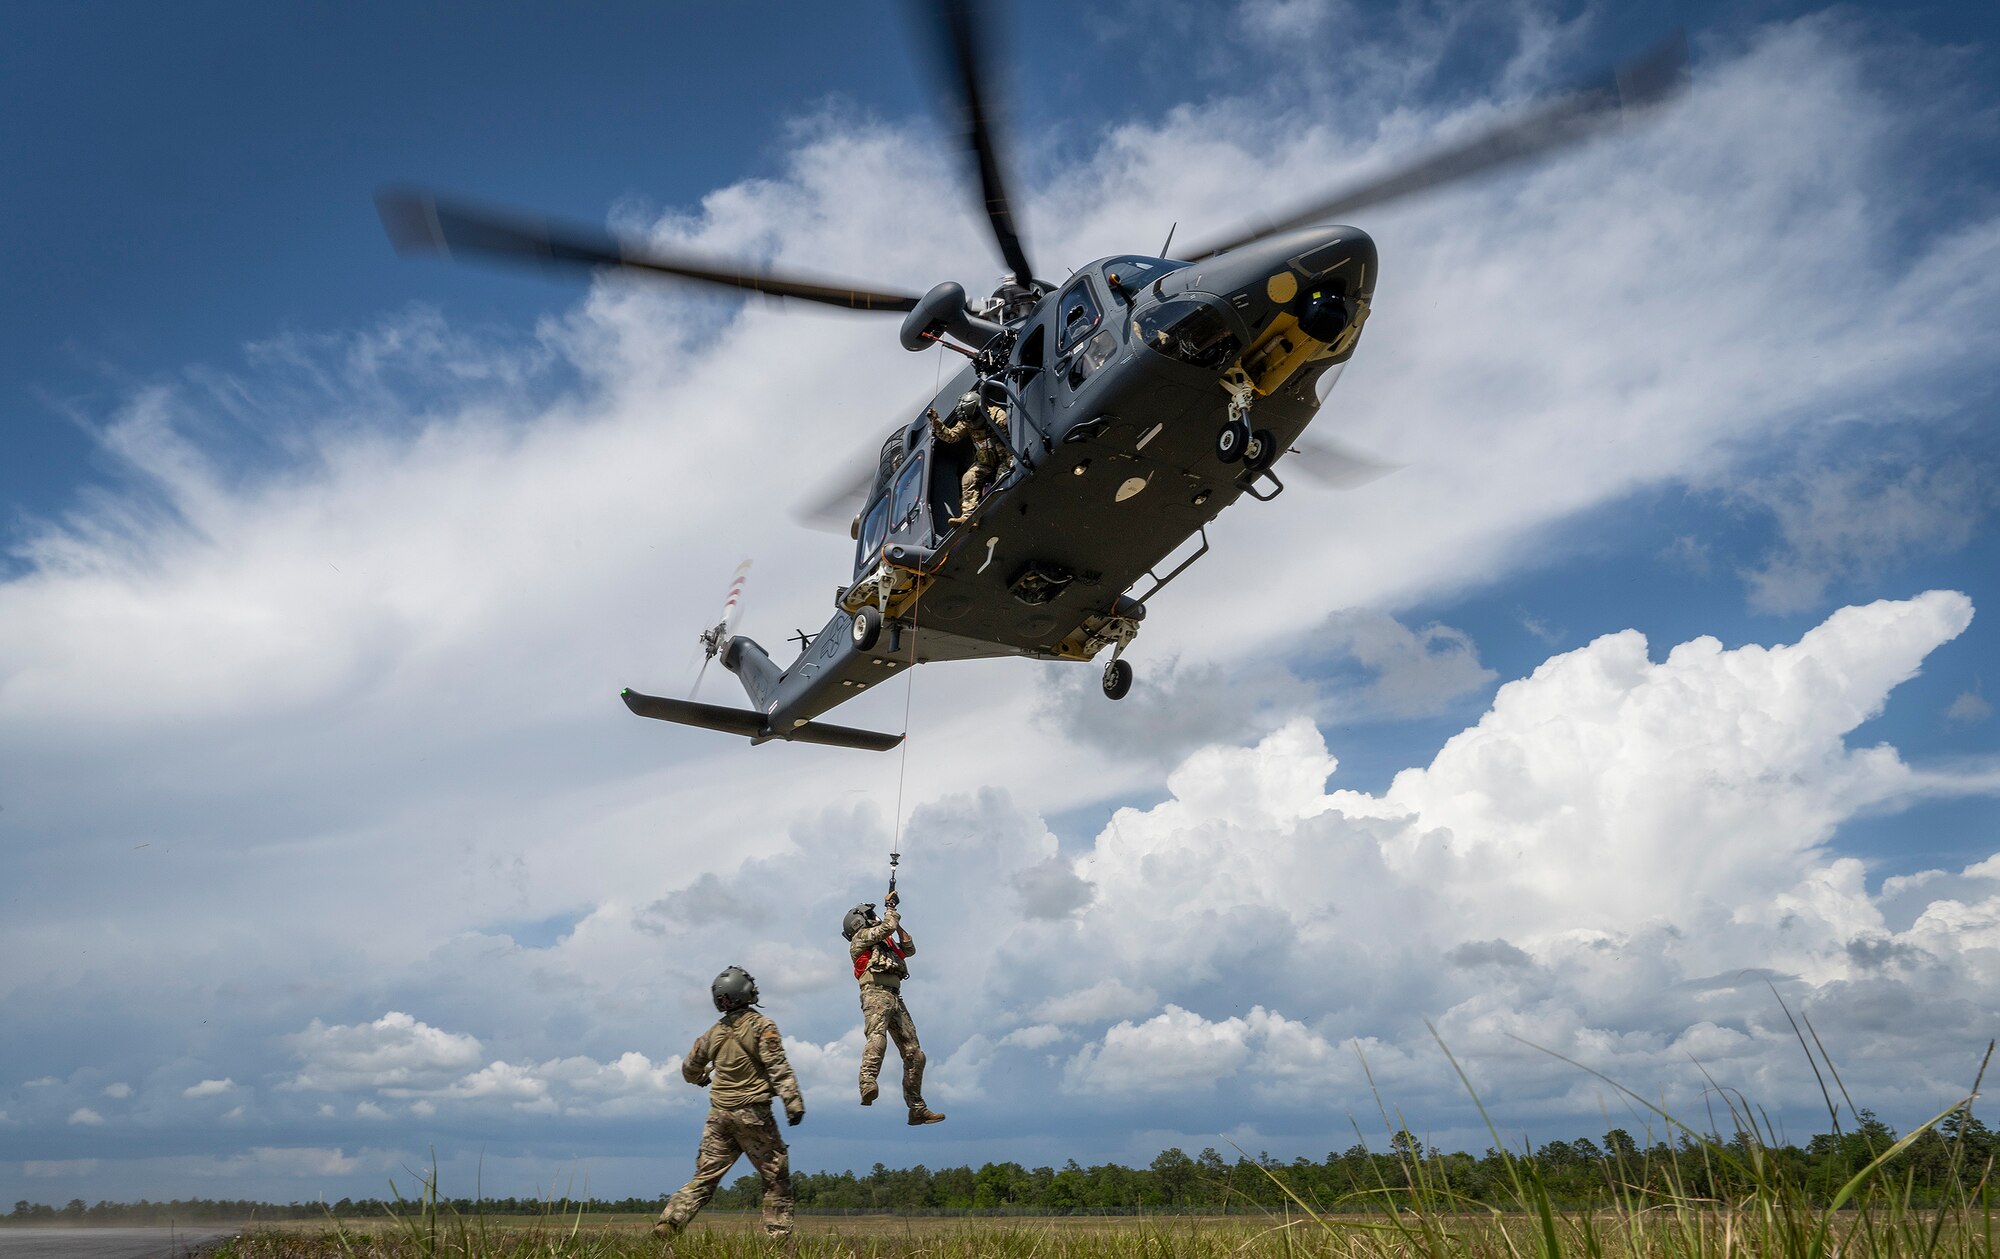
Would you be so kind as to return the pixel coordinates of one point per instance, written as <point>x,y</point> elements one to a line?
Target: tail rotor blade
<point>715,639</point>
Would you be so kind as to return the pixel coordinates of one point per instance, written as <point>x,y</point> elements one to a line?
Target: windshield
<point>1134,273</point>
<point>1193,332</point>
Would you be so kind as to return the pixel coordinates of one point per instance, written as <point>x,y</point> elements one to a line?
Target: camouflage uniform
<point>988,455</point>
<point>884,1017</point>
<point>746,1057</point>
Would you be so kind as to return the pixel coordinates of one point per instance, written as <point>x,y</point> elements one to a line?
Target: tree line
<point>1952,1158</point>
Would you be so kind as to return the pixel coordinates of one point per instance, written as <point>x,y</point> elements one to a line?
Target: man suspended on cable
<point>741,1061</point>
<point>879,949</point>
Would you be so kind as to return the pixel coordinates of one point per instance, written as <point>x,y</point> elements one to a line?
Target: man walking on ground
<point>741,1061</point>
<point>879,950</point>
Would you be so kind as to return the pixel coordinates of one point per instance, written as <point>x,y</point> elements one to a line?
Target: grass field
<point>1659,1213</point>
<point>1688,1231</point>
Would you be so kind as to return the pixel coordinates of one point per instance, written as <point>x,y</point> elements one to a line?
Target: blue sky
<point>324,842</point>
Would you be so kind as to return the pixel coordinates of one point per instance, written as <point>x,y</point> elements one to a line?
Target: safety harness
<point>862,958</point>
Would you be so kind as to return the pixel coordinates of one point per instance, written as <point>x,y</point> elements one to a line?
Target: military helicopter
<point>1142,396</point>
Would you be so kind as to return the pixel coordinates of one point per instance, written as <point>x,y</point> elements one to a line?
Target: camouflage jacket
<point>985,450</point>
<point>742,1060</point>
<point>884,969</point>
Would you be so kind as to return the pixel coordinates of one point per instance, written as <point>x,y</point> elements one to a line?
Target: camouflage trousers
<point>731,1131</point>
<point>972,486</point>
<point>884,1017</point>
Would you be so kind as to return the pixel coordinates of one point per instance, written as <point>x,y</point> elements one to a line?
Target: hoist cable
<point>909,691</point>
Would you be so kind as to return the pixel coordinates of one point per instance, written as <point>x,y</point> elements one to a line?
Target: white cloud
<point>1034,1036</point>
<point>58,1169</point>
<point>1855,520</point>
<point>395,1050</point>
<point>1105,999</point>
<point>86,1117</point>
<point>120,1090</point>
<point>1970,707</point>
<point>1412,672</point>
<point>208,1088</point>
<point>1169,1052</point>
<point>369,1110</point>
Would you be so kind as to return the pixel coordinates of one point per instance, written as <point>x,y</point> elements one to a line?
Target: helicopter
<point>1137,400</point>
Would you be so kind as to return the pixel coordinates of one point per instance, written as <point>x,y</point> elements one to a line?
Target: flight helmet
<point>860,916</point>
<point>733,989</point>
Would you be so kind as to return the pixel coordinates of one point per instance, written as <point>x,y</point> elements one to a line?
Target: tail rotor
<point>715,639</point>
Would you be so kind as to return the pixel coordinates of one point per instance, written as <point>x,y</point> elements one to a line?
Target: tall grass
<point>1661,1209</point>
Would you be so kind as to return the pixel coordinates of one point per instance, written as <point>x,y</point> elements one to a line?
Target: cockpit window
<point>1193,332</point>
<point>1076,316</point>
<point>1134,273</point>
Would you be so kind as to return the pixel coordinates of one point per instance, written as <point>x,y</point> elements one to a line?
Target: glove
<point>892,900</point>
<point>702,1083</point>
<point>794,1111</point>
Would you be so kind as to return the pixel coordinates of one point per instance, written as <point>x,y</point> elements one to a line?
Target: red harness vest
<point>861,959</point>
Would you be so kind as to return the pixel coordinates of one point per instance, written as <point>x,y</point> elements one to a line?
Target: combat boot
<point>922,1115</point>
<point>665,1229</point>
<point>869,1091</point>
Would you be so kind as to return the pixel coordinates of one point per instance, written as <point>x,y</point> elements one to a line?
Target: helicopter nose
<point>1318,275</point>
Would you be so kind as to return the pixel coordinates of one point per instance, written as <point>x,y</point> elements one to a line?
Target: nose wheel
<point>1117,679</point>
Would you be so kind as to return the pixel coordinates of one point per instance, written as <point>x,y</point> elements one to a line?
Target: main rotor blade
<point>1624,94</point>
<point>418,222</point>
<point>963,37</point>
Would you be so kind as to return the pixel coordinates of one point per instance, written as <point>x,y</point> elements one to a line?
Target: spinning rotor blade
<point>831,505</point>
<point>1336,465</point>
<point>1623,95</point>
<point>963,39</point>
<point>417,222</point>
<point>715,639</point>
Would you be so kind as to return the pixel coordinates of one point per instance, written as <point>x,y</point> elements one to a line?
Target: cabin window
<point>1077,316</point>
<point>909,494</point>
<point>1193,332</point>
<point>1030,352</point>
<point>873,529</point>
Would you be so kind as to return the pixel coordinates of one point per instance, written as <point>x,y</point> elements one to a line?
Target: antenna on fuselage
<point>1170,239</point>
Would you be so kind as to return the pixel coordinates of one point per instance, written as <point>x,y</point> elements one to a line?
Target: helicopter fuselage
<point>1119,386</point>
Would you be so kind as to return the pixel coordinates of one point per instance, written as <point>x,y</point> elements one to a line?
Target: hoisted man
<point>989,454</point>
<point>879,949</point>
<point>741,1061</point>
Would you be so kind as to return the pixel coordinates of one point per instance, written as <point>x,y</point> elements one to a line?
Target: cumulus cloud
<point>85,1116</point>
<point>120,1090</point>
<point>208,1088</point>
<point>394,1050</point>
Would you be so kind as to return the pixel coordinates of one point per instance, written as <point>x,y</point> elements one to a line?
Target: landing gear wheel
<point>867,628</point>
<point>1117,679</point>
<point>1231,439</point>
<point>1260,450</point>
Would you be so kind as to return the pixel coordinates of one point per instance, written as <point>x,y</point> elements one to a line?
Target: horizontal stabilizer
<point>751,725</point>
